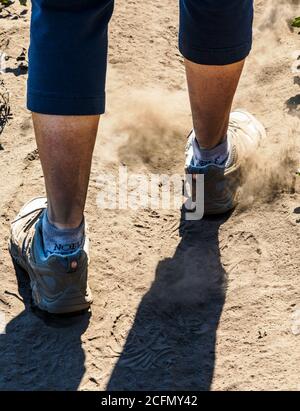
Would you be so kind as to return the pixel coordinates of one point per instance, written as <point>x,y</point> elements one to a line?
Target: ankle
<point>68,223</point>
<point>210,147</point>
<point>209,138</point>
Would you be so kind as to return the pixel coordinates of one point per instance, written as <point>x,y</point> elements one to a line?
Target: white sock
<point>61,241</point>
<point>218,155</point>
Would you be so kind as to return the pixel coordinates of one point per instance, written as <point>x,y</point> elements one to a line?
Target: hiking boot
<point>58,282</point>
<point>222,181</point>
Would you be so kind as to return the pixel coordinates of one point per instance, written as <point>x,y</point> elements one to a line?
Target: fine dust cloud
<point>268,174</point>
<point>156,124</point>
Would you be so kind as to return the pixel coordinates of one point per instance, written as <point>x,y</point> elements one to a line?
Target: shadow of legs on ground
<point>171,345</point>
<point>41,355</point>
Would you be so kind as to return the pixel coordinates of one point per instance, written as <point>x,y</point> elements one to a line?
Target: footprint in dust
<point>146,346</point>
<point>241,252</point>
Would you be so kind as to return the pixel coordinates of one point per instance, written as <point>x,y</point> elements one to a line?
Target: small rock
<point>296,322</point>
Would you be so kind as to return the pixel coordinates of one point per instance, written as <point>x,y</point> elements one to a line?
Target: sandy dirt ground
<point>212,305</point>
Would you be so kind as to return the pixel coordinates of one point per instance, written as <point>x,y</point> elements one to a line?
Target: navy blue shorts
<point>68,47</point>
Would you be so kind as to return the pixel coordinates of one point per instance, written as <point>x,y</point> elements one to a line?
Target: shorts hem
<point>215,57</point>
<point>56,105</point>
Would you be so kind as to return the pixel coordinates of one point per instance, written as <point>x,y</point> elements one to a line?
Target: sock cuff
<point>62,241</point>
<point>61,231</point>
<point>218,154</point>
<point>220,149</point>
